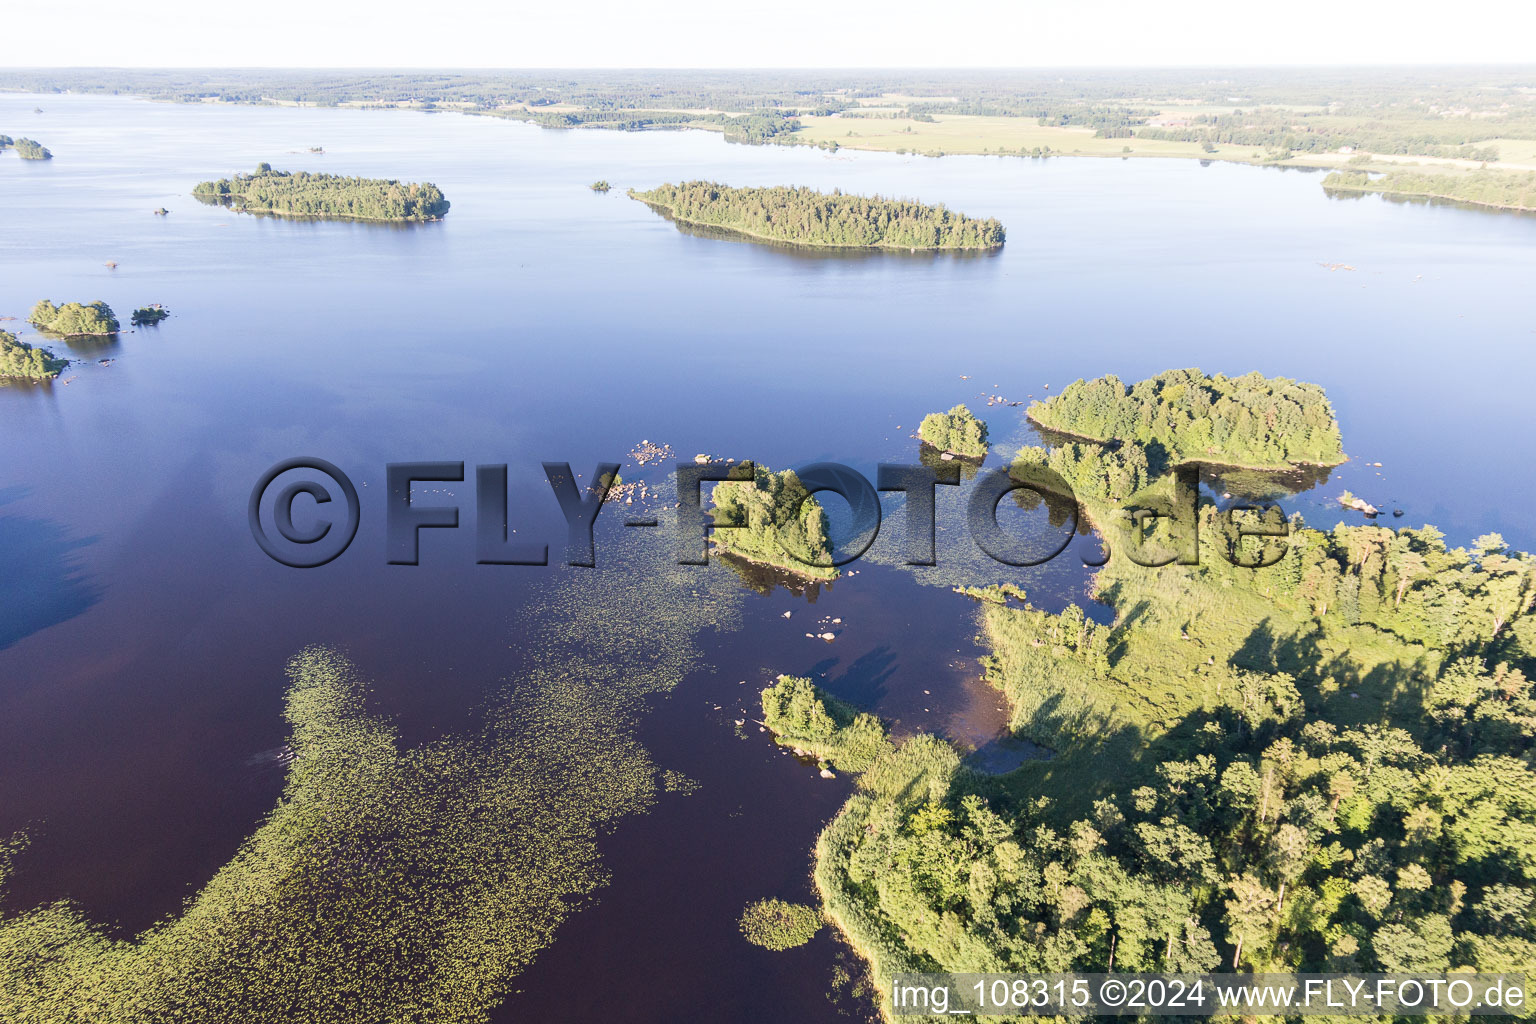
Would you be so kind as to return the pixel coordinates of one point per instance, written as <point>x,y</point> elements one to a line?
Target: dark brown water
<point>143,635</point>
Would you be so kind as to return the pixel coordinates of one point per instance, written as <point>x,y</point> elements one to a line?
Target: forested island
<point>1504,190</point>
<point>303,194</point>
<point>30,149</point>
<point>773,520</point>
<point>27,362</point>
<point>1251,421</point>
<point>74,318</point>
<point>957,432</point>
<point>1324,764</point>
<point>803,216</point>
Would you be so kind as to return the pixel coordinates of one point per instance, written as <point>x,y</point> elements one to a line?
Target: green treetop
<point>957,431</point>
<point>18,359</point>
<point>1253,420</point>
<point>74,318</point>
<point>803,216</point>
<point>776,522</point>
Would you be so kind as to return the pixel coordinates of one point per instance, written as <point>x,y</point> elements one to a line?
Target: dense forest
<point>74,318</point>
<point>773,520</point>
<point>803,216</point>
<point>18,359</point>
<point>1503,189</point>
<point>29,149</point>
<point>1183,415</point>
<point>958,432</point>
<point>1323,764</point>
<point>303,194</point>
<point>756,126</point>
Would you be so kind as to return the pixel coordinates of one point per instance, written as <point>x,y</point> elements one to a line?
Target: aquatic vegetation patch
<point>776,924</point>
<point>395,884</point>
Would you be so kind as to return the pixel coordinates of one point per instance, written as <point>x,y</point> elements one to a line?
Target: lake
<point>143,634</point>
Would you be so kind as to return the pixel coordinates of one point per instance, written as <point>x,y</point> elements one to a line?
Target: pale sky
<point>785,33</point>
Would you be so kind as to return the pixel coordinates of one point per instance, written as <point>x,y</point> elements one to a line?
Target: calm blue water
<point>142,633</point>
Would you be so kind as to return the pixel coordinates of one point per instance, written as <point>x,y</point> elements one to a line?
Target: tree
<point>958,432</point>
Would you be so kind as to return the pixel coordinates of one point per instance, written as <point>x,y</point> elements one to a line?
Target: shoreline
<point>1365,190</point>
<point>334,217</point>
<point>213,200</point>
<point>799,574</point>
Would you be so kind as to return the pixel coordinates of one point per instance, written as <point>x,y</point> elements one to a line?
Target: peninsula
<point>803,216</point>
<point>1318,764</point>
<point>325,196</point>
<point>1502,190</point>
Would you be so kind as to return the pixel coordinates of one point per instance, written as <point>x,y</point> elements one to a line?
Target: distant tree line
<point>1403,133</point>
<point>805,216</point>
<point>303,194</point>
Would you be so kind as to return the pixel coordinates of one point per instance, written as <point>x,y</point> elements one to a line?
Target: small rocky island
<point>805,217</point>
<point>325,196</point>
<point>146,316</point>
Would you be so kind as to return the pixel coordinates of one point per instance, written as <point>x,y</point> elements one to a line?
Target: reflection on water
<point>1258,485</point>
<point>42,584</point>
<point>931,457</point>
<point>229,203</point>
<point>84,346</point>
<point>765,579</point>
<point>1004,753</point>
